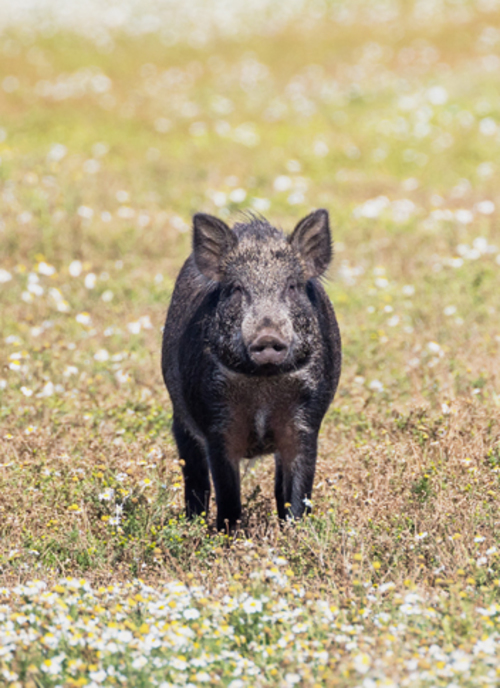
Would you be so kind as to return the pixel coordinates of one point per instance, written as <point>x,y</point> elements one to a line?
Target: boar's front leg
<point>295,467</point>
<point>195,470</point>
<point>226,476</point>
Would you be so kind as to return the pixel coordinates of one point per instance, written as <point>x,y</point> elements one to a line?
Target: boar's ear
<point>212,239</point>
<point>311,238</point>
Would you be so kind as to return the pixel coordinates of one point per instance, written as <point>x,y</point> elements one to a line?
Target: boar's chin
<point>270,370</point>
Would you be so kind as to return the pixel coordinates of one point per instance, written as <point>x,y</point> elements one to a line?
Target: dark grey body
<point>251,358</point>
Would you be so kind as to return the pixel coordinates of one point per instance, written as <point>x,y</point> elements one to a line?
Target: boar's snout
<point>268,348</point>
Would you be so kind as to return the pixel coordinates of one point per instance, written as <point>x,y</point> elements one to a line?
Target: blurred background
<point>132,115</point>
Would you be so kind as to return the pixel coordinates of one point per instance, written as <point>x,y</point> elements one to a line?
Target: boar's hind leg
<point>195,470</point>
<point>294,478</point>
<point>226,477</point>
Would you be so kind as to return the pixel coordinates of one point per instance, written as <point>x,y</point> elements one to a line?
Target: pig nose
<point>268,347</point>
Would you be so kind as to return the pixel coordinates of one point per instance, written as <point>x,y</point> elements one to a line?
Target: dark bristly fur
<point>251,358</point>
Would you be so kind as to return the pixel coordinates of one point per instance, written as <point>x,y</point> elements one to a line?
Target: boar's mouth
<point>272,369</point>
<point>277,365</point>
<point>269,369</point>
<point>249,368</point>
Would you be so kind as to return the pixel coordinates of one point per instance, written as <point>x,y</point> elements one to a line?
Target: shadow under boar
<point>251,358</point>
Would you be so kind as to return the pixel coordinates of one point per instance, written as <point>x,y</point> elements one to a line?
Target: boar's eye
<point>236,289</point>
<point>293,290</point>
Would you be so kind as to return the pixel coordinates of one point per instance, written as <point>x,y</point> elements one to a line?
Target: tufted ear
<point>212,239</point>
<point>312,239</point>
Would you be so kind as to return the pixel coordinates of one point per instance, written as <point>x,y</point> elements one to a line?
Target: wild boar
<point>251,358</point>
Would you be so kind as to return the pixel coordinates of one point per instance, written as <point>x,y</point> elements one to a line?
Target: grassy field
<point>387,114</point>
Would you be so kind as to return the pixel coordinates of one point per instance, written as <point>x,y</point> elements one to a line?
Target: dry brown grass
<point>392,464</point>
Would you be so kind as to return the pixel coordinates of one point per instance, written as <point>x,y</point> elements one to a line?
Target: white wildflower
<point>83,319</point>
<point>139,662</point>
<point>47,391</point>
<point>251,605</point>
<point>90,280</point>
<point>46,269</point>
<point>485,207</point>
<point>107,495</point>
<point>85,212</point>
<point>362,662</point>
<point>75,268</point>
<point>101,356</point>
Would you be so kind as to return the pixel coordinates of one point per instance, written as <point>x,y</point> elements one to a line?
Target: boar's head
<point>264,319</point>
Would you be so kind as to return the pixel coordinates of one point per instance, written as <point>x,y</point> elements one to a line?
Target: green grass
<point>394,126</point>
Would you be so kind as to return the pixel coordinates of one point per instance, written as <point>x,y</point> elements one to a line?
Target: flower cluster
<point>179,634</point>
